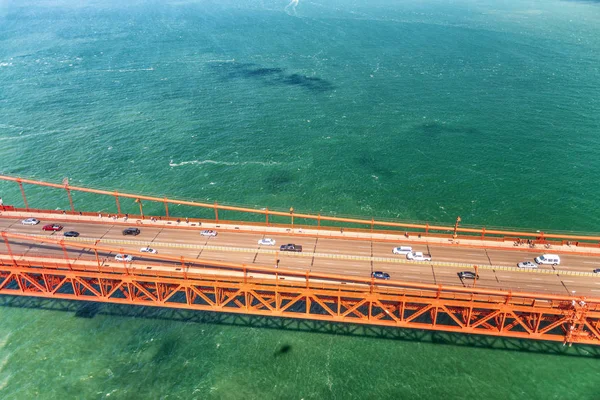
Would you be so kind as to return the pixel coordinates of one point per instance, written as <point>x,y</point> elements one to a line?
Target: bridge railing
<point>294,218</point>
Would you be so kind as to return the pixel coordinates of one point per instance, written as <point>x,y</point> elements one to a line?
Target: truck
<point>418,256</point>
<point>291,247</point>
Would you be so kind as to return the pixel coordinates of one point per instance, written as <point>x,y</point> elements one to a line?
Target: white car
<point>124,257</point>
<point>418,256</point>
<point>266,242</point>
<point>30,221</point>
<point>527,264</point>
<point>148,250</point>
<point>208,233</point>
<point>402,250</point>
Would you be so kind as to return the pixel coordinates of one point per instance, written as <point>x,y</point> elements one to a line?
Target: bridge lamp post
<point>292,214</point>
<point>140,204</point>
<point>454,236</point>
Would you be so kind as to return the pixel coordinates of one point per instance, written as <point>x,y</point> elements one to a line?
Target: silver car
<point>30,221</point>
<point>124,257</point>
<point>527,264</point>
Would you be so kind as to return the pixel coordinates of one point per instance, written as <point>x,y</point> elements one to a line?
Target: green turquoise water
<point>412,110</point>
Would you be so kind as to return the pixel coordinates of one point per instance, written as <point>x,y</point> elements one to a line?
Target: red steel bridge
<point>36,264</point>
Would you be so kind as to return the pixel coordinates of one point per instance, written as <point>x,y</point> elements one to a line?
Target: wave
<point>228,163</point>
<point>222,61</point>
<point>128,70</point>
<point>21,136</point>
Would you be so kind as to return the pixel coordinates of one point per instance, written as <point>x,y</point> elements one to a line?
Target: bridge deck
<point>351,253</point>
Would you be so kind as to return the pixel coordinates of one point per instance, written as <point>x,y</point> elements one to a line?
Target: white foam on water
<point>228,163</point>
<point>291,7</point>
<point>127,70</point>
<point>21,136</point>
<point>3,362</point>
<point>4,340</point>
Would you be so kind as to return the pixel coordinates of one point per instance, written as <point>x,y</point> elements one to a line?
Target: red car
<point>52,227</point>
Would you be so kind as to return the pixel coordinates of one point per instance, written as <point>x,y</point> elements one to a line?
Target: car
<point>30,221</point>
<point>380,275</point>
<point>71,234</point>
<point>208,232</point>
<point>467,275</point>
<point>148,250</point>
<point>596,271</point>
<point>402,250</point>
<point>124,257</point>
<point>418,256</point>
<point>266,242</point>
<point>547,259</point>
<point>52,227</point>
<point>527,264</point>
<point>291,247</point>
<point>131,231</point>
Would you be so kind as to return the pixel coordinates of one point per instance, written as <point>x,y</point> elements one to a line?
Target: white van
<point>402,250</point>
<point>548,259</point>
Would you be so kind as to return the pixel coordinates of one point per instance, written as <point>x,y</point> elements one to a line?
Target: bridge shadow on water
<point>91,309</point>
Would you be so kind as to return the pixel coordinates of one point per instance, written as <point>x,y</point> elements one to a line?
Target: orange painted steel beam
<point>425,227</point>
<point>522,318</point>
<point>235,288</point>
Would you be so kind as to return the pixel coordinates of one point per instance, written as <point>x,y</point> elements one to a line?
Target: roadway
<point>351,257</point>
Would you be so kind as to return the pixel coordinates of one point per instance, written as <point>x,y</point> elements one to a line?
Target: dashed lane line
<point>330,256</point>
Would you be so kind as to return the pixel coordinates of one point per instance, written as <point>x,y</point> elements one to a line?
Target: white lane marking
<point>591,262</point>
<point>536,279</point>
<point>595,290</point>
<point>534,286</point>
<point>567,281</point>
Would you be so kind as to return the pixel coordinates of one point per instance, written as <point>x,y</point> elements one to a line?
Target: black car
<point>291,247</point>
<point>596,271</point>
<point>131,231</point>
<point>467,275</point>
<point>380,275</point>
<point>71,234</point>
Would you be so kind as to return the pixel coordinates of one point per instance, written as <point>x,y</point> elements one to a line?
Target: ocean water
<point>416,110</point>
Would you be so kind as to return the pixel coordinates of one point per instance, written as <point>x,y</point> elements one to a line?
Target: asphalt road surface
<point>356,258</point>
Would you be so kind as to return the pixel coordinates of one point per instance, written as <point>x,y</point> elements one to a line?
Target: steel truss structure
<point>232,288</point>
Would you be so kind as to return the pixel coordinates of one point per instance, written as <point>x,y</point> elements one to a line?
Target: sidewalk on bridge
<point>399,238</point>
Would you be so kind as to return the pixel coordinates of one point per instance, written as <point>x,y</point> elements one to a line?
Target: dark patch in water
<point>166,350</point>
<point>312,83</point>
<point>270,76</point>
<point>286,348</point>
<point>88,310</point>
<point>372,164</point>
<point>277,180</point>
